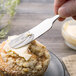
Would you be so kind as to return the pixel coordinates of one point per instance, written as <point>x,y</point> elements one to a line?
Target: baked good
<point>29,60</point>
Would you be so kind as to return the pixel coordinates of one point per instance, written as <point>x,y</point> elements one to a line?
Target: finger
<point>57,4</point>
<point>74,17</point>
<point>68,9</point>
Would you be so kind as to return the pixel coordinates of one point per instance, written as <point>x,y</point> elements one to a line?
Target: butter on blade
<point>20,51</point>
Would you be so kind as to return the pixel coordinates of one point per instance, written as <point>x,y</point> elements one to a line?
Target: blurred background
<point>29,13</point>
<point>43,1</point>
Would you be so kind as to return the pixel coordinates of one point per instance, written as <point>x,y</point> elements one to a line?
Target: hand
<point>65,8</point>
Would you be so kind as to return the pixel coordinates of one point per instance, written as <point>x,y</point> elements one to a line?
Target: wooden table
<point>29,15</point>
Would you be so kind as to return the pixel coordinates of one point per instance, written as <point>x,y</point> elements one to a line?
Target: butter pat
<point>69,33</point>
<point>22,52</point>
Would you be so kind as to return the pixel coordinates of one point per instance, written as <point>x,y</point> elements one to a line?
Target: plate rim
<point>62,63</point>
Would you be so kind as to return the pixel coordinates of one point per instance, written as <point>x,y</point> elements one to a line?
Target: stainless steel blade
<point>34,33</point>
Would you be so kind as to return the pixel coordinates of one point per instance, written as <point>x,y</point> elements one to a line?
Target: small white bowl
<point>68,33</point>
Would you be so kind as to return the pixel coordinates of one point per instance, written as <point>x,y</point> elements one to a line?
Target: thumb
<point>68,9</point>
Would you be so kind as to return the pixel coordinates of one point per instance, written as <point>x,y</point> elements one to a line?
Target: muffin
<point>29,60</point>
